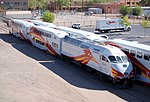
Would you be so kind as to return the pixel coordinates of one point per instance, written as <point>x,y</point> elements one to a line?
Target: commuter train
<point>70,30</point>
<point>108,61</point>
<point>20,28</point>
<point>41,23</point>
<point>139,54</point>
<point>82,33</point>
<point>133,50</point>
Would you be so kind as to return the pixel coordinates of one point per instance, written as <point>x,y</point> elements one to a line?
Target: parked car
<point>76,25</point>
<point>88,13</point>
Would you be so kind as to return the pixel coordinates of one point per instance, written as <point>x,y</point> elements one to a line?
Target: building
<point>131,2</point>
<point>74,5</point>
<point>14,4</point>
<point>114,7</point>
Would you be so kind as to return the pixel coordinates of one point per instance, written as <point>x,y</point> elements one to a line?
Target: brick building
<point>14,4</point>
<point>131,2</point>
<point>114,7</point>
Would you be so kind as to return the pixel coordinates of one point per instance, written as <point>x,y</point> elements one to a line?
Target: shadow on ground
<point>69,73</point>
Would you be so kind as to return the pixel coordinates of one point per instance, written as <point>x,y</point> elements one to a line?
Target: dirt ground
<point>23,79</point>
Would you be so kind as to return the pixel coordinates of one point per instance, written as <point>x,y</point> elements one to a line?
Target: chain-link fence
<point>67,19</point>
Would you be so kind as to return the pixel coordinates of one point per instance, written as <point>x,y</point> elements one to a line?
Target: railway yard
<point>30,74</point>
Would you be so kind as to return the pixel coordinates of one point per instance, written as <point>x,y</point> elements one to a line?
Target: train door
<point>24,31</point>
<point>104,64</point>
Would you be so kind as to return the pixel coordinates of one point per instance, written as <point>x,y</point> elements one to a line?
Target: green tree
<point>137,11</point>
<point>38,4</point>
<point>145,24</point>
<point>61,3</point>
<point>126,21</point>
<point>145,2</point>
<point>48,17</point>
<point>90,3</point>
<point>125,10</point>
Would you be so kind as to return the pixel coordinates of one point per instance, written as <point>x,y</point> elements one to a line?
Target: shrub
<point>125,10</point>
<point>48,17</point>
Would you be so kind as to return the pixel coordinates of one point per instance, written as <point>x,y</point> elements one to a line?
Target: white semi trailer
<point>107,25</point>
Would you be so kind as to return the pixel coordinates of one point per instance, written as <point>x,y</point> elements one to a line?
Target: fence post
<point>90,22</point>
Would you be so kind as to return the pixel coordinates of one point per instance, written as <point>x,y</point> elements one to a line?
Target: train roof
<point>81,33</point>
<point>56,32</point>
<point>132,44</point>
<point>95,45</point>
<point>23,22</point>
<point>42,23</point>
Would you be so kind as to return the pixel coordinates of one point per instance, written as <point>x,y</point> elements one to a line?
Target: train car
<point>82,33</point>
<point>20,28</point>
<point>142,69</point>
<point>42,23</point>
<point>109,61</point>
<point>47,38</point>
<point>139,54</point>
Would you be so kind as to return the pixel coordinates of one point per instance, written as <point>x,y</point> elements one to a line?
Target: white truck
<point>108,25</point>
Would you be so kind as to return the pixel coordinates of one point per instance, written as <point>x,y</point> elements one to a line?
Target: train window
<point>78,43</point>
<point>126,51</point>
<point>132,52</point>
<point>124,58</point>
<point>97,50</point>
<point>104,58</point>
<point>49,35</point>
<point>54,45</point>
<point>147,57</point>
<point>65,38</point>
<point>139,54</point>
<point>119,59</point>
<point>112,59</point>
<point>84,46</point>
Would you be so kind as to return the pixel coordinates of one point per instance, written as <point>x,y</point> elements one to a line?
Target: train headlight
<point>131,74</point>
<point>126,74</point>
<point>148,74</point>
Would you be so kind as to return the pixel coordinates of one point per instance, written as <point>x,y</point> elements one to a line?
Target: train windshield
<point>112,59</point>
<point>118,59</point>
<point>124,58</point>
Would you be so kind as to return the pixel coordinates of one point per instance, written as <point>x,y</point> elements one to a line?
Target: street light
<point>2,4</point>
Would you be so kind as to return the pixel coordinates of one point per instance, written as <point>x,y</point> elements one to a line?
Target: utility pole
<point>82,4</point>
<point>70,5</point>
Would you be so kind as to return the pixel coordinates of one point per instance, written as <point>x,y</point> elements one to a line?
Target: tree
<point>48,17</point>
<point>126,21</point>
<point>61,3</point>
<point>137,11</point>
<point>38,4</point>
<point>90,3</point>
<point>125,10</point>
<point>144,2</point>
<point>145,24</point>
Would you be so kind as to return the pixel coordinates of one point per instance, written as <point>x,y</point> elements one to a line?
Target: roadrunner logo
<point>110,22</point>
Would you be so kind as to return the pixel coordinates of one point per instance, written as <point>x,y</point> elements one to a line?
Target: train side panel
<point>87,57</point>
<point>20,28</point>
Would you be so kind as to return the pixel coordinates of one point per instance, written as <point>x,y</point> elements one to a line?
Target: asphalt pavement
<point>138,33</point>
